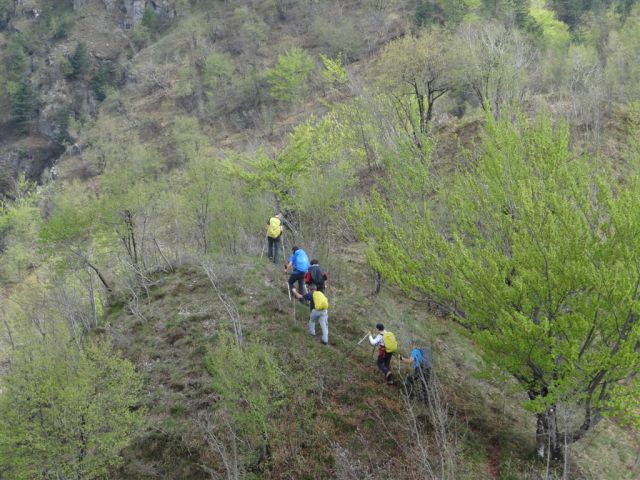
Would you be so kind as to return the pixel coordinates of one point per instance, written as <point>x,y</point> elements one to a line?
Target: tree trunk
<point>548,439</point>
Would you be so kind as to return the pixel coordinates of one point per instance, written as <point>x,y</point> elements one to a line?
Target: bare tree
<point>223,441</point>
<point>415,72</point>
<point>436,453</point>
<point>494,63</point>
<point>227,303</point>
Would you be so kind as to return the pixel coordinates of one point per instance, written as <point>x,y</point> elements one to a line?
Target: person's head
<point>278,216</point>
<point>295,247</point>
<point>380,327</point>
<point>314,262</point>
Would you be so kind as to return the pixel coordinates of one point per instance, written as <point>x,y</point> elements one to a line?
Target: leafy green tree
<point>334,72</point>
<point>218,69</point>
<point>251,388</point>
<point>277,174</point>
<point>554,32</point>
<point>68,236</point>
<point>79,62</point>
<point>24,105</point>
<point>288,79</point>
<point>67,412</point>
<point>19,224</point>
<point>535,250</point>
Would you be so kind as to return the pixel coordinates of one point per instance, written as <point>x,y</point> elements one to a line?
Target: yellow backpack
<point>275,229</point>
<point>390,342</point>
<point>320,302</point>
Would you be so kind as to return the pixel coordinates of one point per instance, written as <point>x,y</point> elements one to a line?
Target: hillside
<point>466,171</point>
<point>337,418</point>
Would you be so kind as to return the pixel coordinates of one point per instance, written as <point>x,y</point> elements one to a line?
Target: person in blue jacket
<point>418,383</point>
<point>298,265</point>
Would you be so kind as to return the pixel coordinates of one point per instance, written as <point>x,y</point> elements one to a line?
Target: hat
<point>379,327</point>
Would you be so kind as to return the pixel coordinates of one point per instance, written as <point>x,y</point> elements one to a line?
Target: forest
<point>465,170</point>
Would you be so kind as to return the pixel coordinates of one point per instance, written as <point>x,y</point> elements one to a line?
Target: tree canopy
<point>536,252</point>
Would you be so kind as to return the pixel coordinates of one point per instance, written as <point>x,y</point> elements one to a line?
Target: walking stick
<point>262,252</point>
<point>362,339</point>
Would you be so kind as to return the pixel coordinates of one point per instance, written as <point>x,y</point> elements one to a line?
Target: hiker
<point>298,264</point>
<point>387,346</point>
<point>274,233</point>
<point>316,276</point>
<point>319,306</point>
<point>418,381</point>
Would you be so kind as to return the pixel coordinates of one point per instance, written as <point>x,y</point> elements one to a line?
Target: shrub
<point>288,79</point>
<point>67,425</point>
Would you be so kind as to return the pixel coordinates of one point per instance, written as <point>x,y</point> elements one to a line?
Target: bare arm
<point>405,359</point>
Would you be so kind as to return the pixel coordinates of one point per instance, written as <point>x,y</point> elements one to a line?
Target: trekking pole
<point>288,290</point>
<point>262,252</point>
<point>362,339</point>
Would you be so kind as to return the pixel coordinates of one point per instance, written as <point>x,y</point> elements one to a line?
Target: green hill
<point>476,162</point>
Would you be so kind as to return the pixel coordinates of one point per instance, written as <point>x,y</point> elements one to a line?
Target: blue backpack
<point>300,261</point>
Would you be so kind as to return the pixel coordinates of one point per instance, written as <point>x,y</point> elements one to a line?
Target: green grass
<point>334,394</point>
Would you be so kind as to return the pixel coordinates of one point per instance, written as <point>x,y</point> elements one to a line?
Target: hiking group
<point>305,272</point>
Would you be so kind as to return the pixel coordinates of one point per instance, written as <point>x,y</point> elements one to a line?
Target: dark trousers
<point>297,277</point>
<point>384,362</point>
<point>274,247</point>
<point>418,382</point>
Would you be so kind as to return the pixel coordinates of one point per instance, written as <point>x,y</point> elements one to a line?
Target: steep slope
<point>337,418</point>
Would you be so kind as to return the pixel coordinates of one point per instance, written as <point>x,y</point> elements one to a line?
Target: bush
<point>288,79</point>
<point>79,62</point>
<point>67,425</point>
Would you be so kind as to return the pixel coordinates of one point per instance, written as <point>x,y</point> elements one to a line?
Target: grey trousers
<point>323,316</point>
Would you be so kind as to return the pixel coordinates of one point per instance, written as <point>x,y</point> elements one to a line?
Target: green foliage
<point>19,224</point>
<point>79,62</point>
<point>277,174</point>
<point>622,67</point>
<point>416,71</point>
<point>334,72</point>
<point>6,11</point>
<point>106,77</point>
<point>251,387</point>
<point>140,36</point>
<point>288,79</point>
<point>190,142</point>
<point>151,20</point>
<point>535,250</point>
<point>24,104</point>
<point>67,412</point>
<point>218,70</point>
<point>555,33</point>
<point>186,77</point>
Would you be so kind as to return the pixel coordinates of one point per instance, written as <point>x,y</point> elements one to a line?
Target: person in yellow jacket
<point>274,234</point>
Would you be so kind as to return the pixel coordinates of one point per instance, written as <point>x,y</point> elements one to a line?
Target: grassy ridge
<point>338,416</point>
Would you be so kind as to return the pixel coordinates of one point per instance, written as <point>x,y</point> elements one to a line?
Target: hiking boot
<point>389,378</point>
<point>325,343</point>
